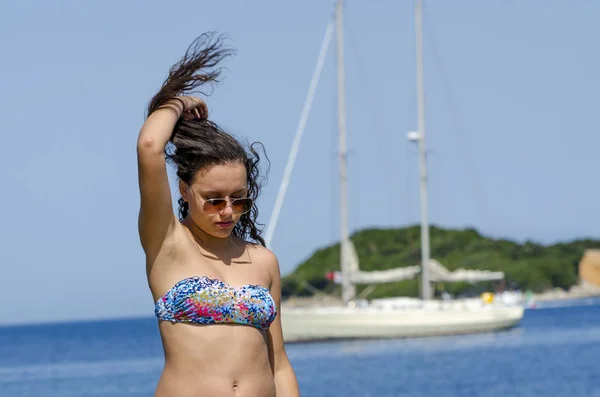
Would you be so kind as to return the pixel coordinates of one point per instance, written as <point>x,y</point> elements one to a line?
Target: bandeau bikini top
<point>204,300</point>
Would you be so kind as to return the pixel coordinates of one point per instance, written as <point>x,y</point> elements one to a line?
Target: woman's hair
<point>196,144</point>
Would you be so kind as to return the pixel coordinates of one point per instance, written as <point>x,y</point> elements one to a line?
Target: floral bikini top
<point>204,300</point>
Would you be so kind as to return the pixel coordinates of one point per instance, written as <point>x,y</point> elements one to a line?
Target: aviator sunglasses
<point>239,206</point>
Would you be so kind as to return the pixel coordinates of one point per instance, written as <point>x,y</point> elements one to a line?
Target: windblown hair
<point>196,144</point>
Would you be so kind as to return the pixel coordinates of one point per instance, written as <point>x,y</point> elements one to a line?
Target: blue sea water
<point>555,352</point>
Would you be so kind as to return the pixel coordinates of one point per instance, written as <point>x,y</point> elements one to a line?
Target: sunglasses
<point>239,206</point>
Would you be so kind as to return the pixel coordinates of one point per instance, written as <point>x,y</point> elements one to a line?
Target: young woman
<point>216,287</point>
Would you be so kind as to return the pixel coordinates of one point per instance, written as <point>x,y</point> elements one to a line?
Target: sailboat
<point>392,317</point>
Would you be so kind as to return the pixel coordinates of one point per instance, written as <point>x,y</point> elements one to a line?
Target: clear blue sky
<point>512,120</point>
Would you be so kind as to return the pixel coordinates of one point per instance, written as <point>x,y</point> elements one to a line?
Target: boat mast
<point>425,249</point>
<point>299,132</point>
<point>348,288</point>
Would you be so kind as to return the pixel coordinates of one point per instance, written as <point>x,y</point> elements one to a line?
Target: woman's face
<point>212,198</point>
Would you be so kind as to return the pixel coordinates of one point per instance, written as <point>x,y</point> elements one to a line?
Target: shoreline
<point>578,291</point>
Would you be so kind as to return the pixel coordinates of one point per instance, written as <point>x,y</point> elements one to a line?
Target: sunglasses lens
<point>238,206</point>
<point>215,205</point>
<point>241,206</point>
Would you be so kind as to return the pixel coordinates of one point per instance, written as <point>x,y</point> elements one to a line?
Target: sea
<point>554,352</point>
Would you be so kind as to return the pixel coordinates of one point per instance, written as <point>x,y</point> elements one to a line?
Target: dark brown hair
<point>196,144</point>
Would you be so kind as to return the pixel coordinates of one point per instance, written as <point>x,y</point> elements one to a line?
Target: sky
<point>511,121</point>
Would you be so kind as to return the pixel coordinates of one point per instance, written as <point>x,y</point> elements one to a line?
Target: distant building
<point>589,268</point>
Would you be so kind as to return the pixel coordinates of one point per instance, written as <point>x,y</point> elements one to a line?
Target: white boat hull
<point>311,324</point>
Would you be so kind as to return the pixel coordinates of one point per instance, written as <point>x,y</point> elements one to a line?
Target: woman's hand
<point>190,107</point>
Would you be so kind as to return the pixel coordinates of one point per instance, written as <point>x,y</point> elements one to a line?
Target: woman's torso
<point>215,359</point>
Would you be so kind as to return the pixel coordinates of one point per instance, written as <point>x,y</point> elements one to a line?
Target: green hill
<point>528,265</point>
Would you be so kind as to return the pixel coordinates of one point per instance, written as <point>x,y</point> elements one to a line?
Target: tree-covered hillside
<point>529,265</point>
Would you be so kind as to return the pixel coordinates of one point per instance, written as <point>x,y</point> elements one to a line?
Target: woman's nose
<point>228,210</point>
